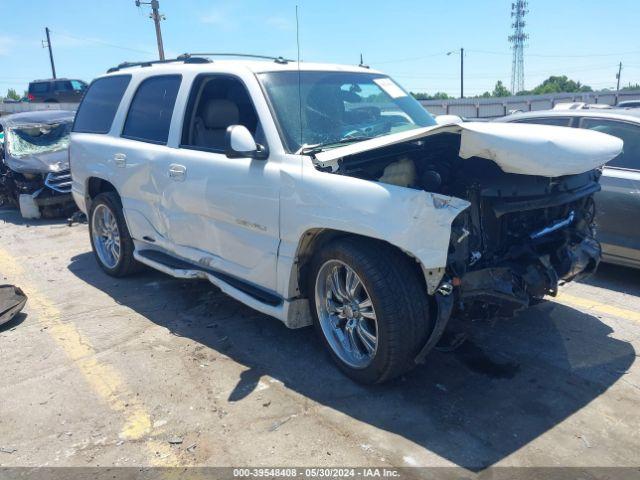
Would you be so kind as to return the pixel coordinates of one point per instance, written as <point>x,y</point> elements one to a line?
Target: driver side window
<point>215,103</point>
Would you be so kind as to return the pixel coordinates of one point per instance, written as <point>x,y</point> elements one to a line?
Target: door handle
<point>177,172</point>
<point>120,159</point>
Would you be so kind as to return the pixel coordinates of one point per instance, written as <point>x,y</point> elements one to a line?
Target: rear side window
<point>100,103</point>
<point>39,87</point>
<point>150,112</point>
<point>557,121</point>
<point>627,132</point>
<point>63,85</point>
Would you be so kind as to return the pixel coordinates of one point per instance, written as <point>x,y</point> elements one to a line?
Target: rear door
<point>63,91</point>
<point>140,150</point>
<point>618,204</point>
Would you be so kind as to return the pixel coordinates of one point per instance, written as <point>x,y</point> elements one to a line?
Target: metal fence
<point>500,106</point>
<point>8,108</point>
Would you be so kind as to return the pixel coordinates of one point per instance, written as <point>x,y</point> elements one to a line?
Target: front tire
<point>370,308</point>
<point>110,239</point>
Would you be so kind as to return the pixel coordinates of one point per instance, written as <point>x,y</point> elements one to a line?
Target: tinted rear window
<point>100,103</point>
<point>150,112</point>
<point>40,87</point>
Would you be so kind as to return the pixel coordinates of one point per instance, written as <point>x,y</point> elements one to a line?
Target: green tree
<point>12,94</point>
<point>426,96</point>
<point>560,84</point>
<point>500,90</point>
<point>631,87</point>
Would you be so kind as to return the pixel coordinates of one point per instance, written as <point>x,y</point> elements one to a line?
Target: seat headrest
<point>220,113</point>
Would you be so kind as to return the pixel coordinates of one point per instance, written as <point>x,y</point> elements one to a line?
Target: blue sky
<point>584,39</point>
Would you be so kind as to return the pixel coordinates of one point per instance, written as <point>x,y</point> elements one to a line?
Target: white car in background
<point>326,194</point>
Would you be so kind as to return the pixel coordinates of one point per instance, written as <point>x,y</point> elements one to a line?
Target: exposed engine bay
<point>521,236</point>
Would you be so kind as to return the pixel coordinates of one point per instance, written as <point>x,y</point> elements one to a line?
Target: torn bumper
<point>503,290</point>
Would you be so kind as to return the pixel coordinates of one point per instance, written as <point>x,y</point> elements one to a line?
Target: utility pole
<point>156,16</point>
<point>53,67</point>
<point>618,77</point>
<point>461,70</point>
<point>462,73</point>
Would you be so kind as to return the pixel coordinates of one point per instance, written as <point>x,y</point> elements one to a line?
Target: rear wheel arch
<point>96,186</point>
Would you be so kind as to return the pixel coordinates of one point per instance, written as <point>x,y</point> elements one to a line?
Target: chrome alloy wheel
<point>106,236</point>
<point>346,314</point>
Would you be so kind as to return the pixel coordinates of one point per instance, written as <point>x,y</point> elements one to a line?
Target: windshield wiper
<point>318,147</point>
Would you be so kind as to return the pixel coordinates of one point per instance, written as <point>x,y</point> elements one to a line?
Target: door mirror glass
<point>240,143</point>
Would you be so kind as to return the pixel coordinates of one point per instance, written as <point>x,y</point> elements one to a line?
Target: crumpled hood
<point>526,149</point>
<point>40,162</point>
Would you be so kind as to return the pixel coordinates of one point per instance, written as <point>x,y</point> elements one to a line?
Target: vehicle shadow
<point>8,214</point>
<point>615,277</point>
<point>510,384</point>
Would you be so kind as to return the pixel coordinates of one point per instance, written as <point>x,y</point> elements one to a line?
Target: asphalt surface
<point>150,370</point>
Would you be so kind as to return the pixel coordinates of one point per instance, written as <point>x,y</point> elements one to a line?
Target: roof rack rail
<point>244,55</point>
<point>195,58</point>
<point>186,58</point>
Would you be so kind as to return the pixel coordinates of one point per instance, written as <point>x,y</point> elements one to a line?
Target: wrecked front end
<point>530,221</point>
<point>520,238</point>
<point>34,172</point>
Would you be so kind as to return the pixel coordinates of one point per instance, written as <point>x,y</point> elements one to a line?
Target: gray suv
<point>59,90</point>
<point>618,204</point>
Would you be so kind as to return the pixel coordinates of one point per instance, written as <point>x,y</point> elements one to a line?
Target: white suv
<point>326,194</point>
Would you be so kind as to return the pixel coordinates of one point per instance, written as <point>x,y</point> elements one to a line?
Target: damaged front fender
<point>417,222</point>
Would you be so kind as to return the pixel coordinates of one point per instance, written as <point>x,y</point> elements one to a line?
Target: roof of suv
<point>53,79</point>
<point>629,114</point>
<point>255,66</point>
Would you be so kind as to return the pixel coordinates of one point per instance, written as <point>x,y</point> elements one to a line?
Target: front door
<point>222,212</point>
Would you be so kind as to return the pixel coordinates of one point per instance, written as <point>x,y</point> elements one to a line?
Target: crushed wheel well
<point>314,240</point>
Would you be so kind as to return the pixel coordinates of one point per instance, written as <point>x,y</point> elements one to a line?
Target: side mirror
<point>240,143</point>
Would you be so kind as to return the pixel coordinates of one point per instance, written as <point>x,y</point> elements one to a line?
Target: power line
<point>410,59</point>
<point>542,55</point>
<point>101,42</point>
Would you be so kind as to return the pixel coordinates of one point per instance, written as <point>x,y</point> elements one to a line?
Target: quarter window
<point>151,109</point>
<point>100,103</point>
<point>40,87</point>
<point>627,132</point>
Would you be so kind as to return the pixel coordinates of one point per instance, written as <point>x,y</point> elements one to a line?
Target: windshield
<point>32,140</point>
<point>331,108</point>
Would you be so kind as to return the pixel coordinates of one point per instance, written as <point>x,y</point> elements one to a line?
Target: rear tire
<point>374,330</point>
<point>110,239</point>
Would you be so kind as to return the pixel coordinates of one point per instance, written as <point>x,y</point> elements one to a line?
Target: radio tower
<point>517,39</point>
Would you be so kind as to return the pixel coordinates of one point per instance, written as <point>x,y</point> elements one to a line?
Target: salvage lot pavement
<point>150,370</point>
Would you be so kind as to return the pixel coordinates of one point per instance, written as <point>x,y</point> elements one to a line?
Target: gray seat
<point>211,125</point>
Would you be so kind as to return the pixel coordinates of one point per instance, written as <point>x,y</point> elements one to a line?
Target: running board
<point>183,269</point>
